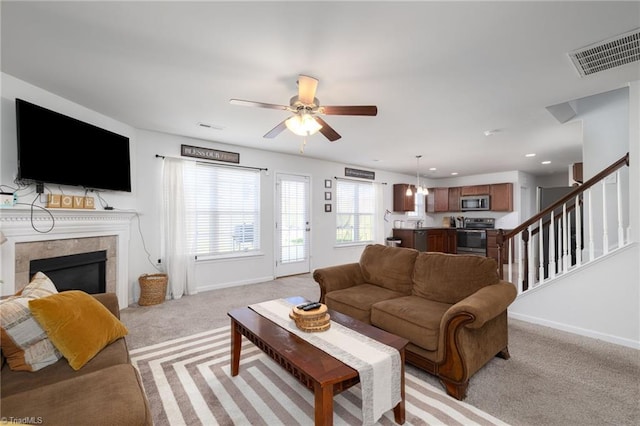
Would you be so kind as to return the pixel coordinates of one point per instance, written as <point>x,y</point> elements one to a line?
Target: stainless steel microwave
<point>474,202</point>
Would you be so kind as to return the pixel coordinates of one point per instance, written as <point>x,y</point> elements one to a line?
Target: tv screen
<point>57,149</point>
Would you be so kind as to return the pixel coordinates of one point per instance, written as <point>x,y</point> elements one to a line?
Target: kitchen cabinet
<point>442,240</point>
<point>427,239</point>
<point>401,201</point>
<point>442,200</point>
<point>454,199</point>
<point>437,200</point>
<point>492,246</point>
<point>577,172</point>
<point>475,190</point>
<point>406,237</point>
<point>501,197</point>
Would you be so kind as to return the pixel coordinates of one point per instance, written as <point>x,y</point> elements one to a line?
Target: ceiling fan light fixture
<point>303,125</point>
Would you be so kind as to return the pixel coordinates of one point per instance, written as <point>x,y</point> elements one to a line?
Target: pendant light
<point>419,188</point>
<point>408,192</point>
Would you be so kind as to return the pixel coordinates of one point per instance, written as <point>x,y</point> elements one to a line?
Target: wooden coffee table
<point>321,373</point>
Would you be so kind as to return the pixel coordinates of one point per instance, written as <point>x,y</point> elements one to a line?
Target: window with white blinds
<point>225,210</point>
<point>355,212</point>
<point>419,207</point>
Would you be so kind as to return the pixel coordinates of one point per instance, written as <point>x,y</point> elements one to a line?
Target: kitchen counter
<point>440,239</point>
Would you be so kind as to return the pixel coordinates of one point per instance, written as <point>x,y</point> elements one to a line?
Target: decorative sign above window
<point>210,154</point>
<point>363,174</point>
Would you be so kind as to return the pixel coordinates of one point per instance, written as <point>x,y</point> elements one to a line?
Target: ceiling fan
<point>306,110</point>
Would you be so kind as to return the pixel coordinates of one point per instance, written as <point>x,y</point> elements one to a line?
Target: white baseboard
<point>577,330</point>
<point>234,283</point>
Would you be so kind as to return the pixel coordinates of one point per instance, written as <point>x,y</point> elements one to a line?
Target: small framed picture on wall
<point>327,183</point>
<point>327,208</point>
<point>327,196</point>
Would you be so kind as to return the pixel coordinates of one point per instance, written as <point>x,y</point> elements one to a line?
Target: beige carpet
<point>188,382</point>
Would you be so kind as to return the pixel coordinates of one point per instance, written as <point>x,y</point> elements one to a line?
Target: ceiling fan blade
<point>276,130</point>
<point>256,104</point>
<point>306,89</point>
<point>327,130</point>
<point>350,110</point>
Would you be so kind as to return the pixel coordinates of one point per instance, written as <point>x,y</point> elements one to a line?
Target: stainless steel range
<point>472,239</point>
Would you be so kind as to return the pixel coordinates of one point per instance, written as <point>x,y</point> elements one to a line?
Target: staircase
<point>583,226</point>
<point>574,264</point>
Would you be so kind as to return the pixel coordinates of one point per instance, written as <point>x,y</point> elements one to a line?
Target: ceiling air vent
<point>611,53</point>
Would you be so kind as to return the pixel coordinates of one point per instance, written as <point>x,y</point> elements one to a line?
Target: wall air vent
<point>607,54</point>
<point>210,126</point>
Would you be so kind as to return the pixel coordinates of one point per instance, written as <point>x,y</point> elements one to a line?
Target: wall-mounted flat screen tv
<point>57,149</point>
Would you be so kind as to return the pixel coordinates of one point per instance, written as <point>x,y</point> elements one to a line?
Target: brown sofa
<point>451,308</point>
<point>105,391</point>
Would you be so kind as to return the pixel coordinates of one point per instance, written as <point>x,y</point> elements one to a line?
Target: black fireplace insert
<point>83,271</point>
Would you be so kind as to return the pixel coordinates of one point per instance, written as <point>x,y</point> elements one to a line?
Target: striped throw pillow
<point>24,343</point>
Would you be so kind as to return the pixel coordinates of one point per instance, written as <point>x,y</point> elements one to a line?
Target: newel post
<point>500,242</point>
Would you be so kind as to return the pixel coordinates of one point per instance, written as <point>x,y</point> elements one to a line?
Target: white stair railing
<point>565,233</point>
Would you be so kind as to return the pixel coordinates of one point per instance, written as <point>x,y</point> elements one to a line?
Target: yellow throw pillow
<point>24,343</point>
<point>77,324</point>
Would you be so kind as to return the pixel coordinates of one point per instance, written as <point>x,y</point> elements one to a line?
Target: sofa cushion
<point>356,301</point>
<point>388,267</point>
<point>111,396</point>
<point>411,317</point>
<point>22,381</point>
<point>449,278</point>
<point>77,324</point>
<point>24,342</point>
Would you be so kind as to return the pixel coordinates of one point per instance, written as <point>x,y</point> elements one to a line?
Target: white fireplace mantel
<point>20,225</point>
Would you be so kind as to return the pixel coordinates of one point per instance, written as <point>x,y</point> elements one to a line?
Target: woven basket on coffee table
<point>311,321</point>
<point>153,289</point>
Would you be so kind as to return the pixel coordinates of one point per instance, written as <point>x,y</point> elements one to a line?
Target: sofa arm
<point>110,300</point>
<point>337,277</point>
<point>484,305</point>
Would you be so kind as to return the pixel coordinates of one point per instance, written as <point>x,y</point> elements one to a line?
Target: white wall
<point>605,122</point>
<point>212,274</point>
<point>634,155</point>
<point>13,88</point>
<point>592,301</point>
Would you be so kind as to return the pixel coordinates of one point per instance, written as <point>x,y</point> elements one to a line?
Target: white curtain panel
<point>379,233</point>
<point>178,251</point>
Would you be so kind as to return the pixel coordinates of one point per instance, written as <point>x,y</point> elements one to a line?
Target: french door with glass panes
<point>292,225</point>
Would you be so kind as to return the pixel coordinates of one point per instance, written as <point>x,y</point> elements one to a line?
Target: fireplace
<point>82,271</point>
<point>54,256</point>
<point>69,232</point>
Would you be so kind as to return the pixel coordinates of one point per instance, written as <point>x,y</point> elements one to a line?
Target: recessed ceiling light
<point>433,169</point>
<point>454,173</point>
<point>530,155</point>
<point>491,132</point>
<point>546,162</point>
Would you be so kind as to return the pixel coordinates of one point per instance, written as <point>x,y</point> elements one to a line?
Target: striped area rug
<point>188,382</point>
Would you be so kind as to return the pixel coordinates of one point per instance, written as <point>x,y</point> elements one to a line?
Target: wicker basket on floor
<point>153,289</point>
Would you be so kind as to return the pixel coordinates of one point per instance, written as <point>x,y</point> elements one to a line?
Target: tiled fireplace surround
<point>73,232</point>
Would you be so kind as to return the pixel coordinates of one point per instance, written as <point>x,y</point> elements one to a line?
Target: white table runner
<point>377,364</point>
